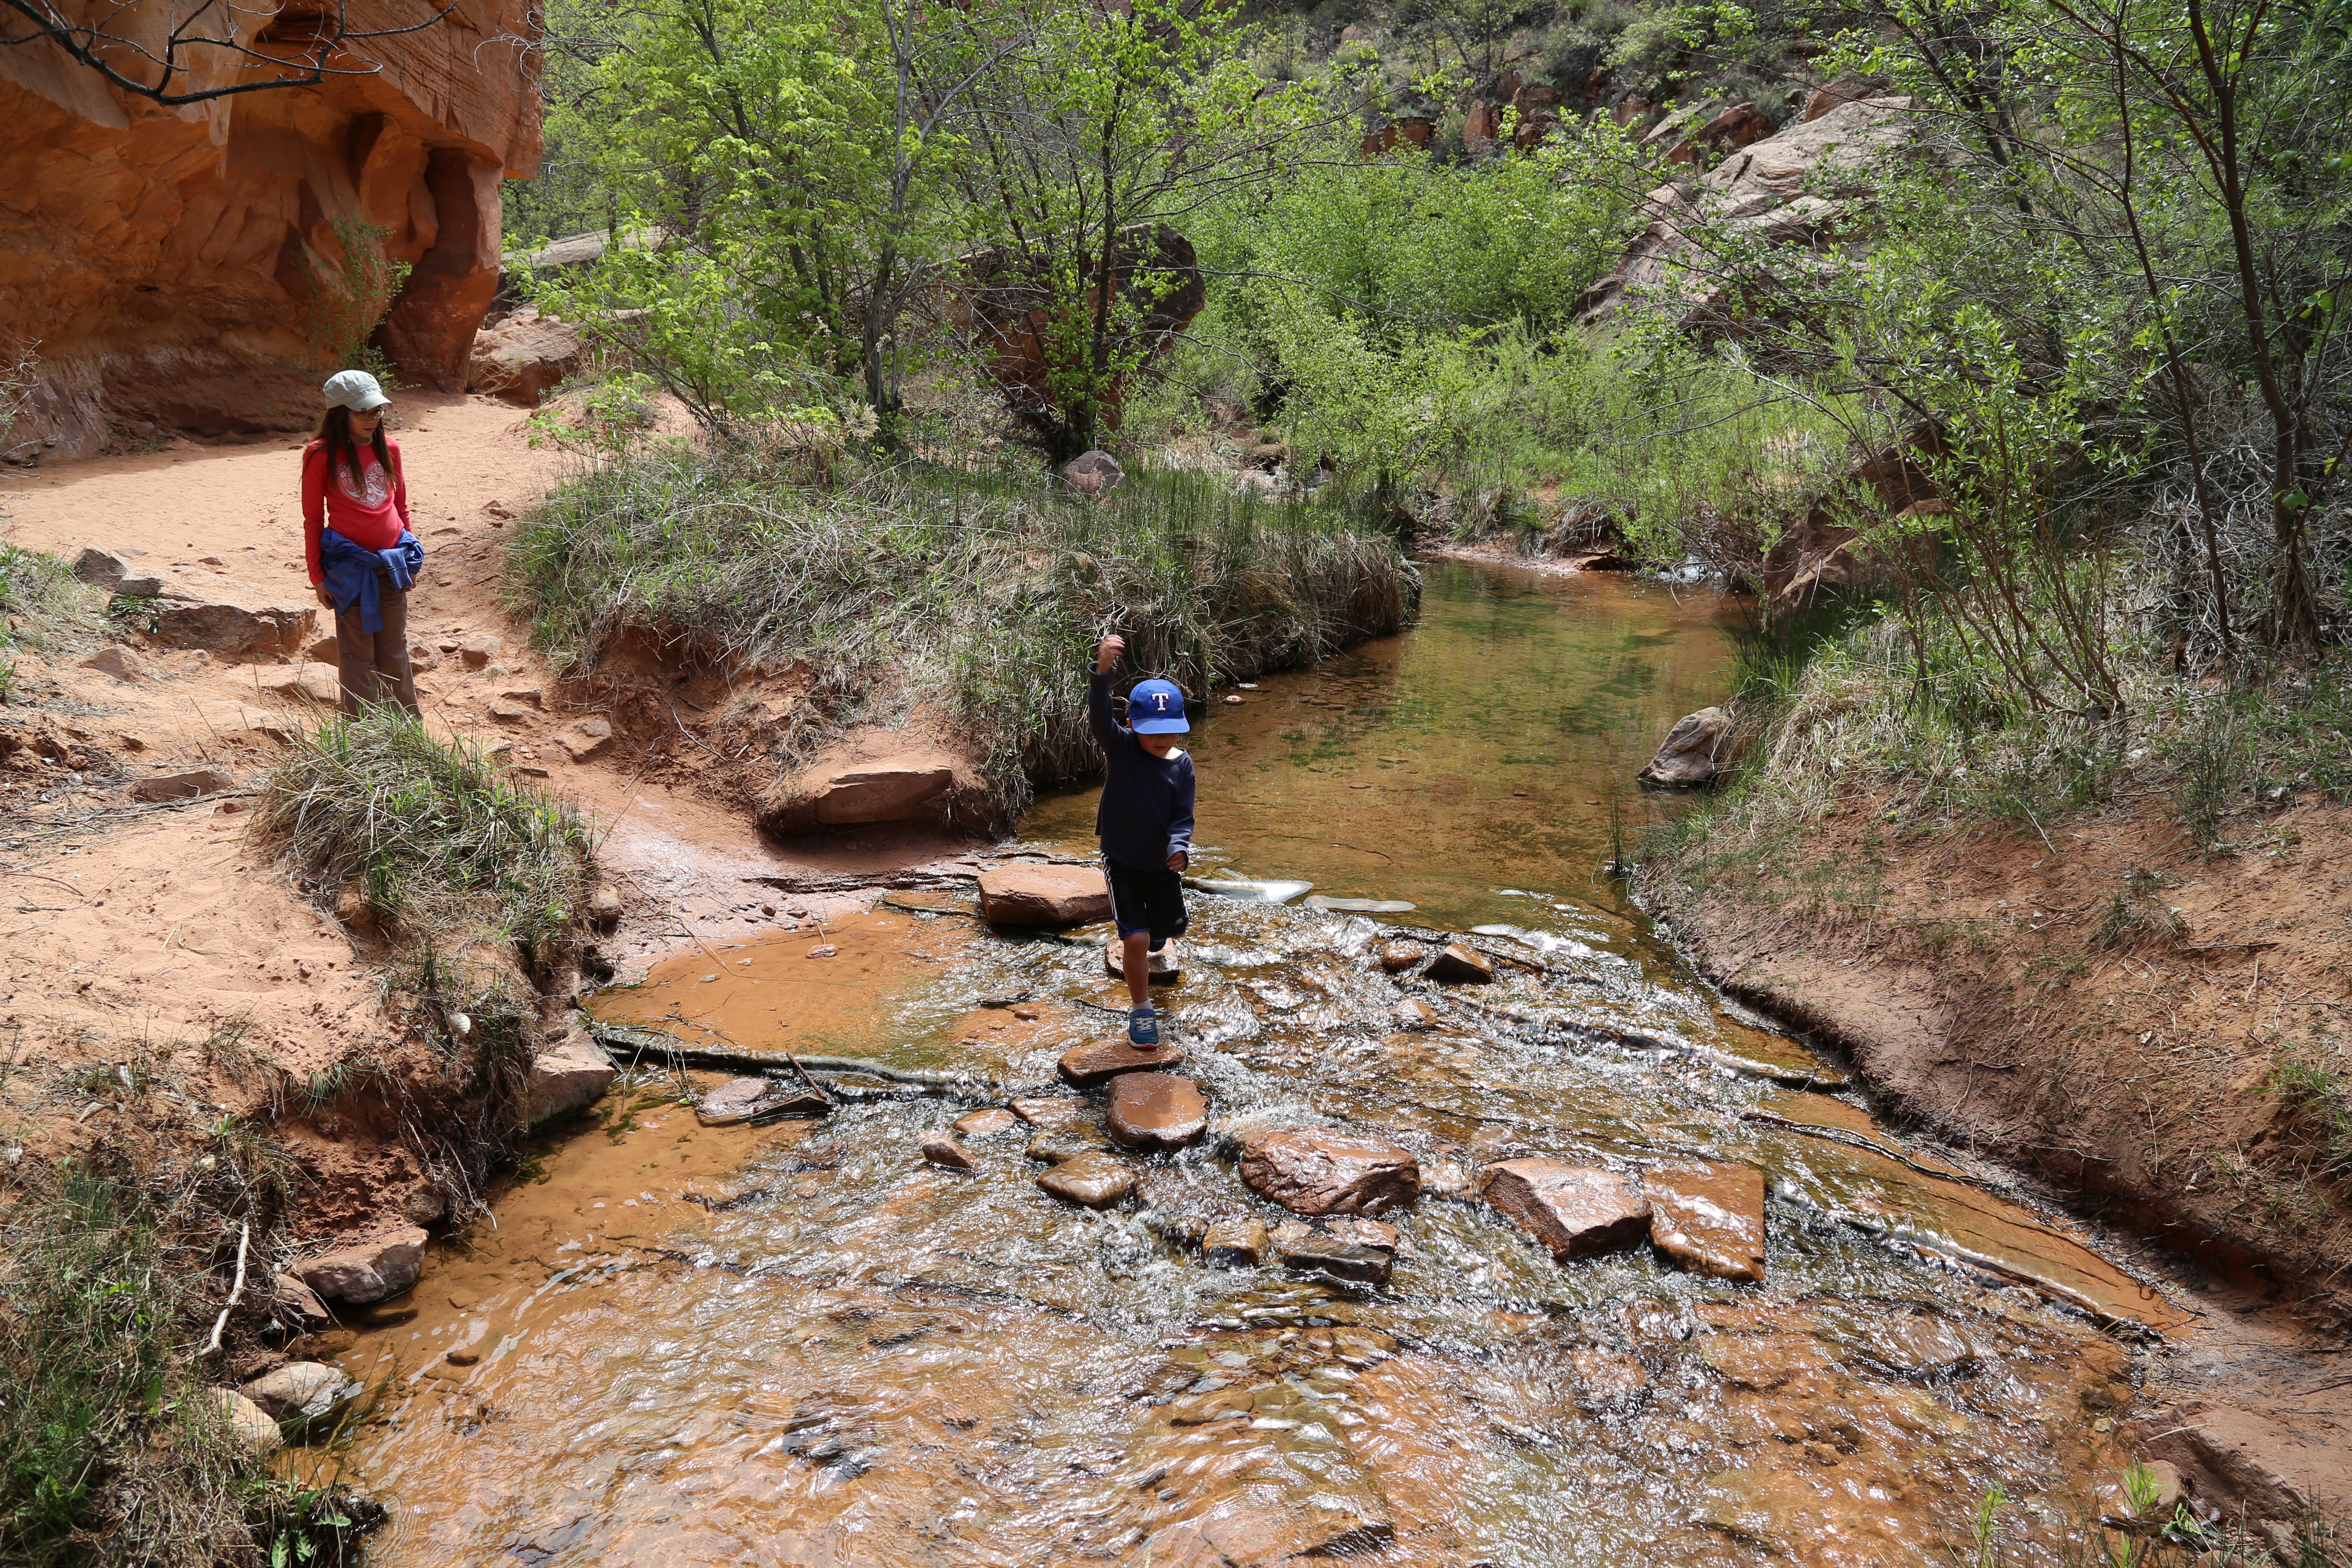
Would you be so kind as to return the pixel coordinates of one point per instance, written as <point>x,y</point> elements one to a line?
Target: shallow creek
<point>800,1344</point>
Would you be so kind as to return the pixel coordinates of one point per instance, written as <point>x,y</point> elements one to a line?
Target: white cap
<point>355,390</point>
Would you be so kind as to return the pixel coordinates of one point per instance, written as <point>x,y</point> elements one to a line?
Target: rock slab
<point>985,1123</point>
<point>182,786</point>
<point>234,622</point>
<point>1314,1171</point>
<point>1573,1210</point>
<point>567,1078</point>
<point>1239,1243</point>
<point>1029,895</point>
<point>1709,1220</point>
<point>1095,1180</point>
<point>1155,1111</point>
<point>370,1270</point>
<point>1087,1065</point>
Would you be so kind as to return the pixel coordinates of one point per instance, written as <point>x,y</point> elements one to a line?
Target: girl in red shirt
<point>356,541</point>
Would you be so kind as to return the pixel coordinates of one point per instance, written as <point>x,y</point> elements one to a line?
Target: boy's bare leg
<point>1137,947</point>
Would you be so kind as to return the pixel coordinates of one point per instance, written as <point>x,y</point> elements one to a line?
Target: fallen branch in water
<point>640,1040</point>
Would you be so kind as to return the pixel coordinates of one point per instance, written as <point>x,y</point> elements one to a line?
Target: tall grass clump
<point>41,605</point>
<point>973,597</point>
<point>112,1449</point>
<point>433,835</point>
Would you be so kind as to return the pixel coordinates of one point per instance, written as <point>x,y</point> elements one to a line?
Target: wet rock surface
<point>1571,1211</point>
<point>1708,1220</point>
<point>1096,1180</point>
<point>1024,895</point>
<point>1155,1111</point>
<point>1103,1060</point>
<point>369,1270</point>
<point>1458,963</point>
<point>567,1078</point>
<point>1312,1171</point>
<point>1693,753</point>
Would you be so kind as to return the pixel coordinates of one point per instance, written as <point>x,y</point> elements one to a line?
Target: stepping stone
<point>1459,964</point>
<point>1573,1210</point>
<point>1234,1243</point>
<point>1030,895</point>
<point>1094,1179</point>
<point>1708,1220</point>
<point>381,1265</point>
<point>1314,1170</point>
<point>1397,957</point>
<point>1051,1111</point>
<point>1155,1111</point>
<point>941,1148</point>
<point>1103,1060</point>
<point>986,1124</point>
<point>1059,1143</point>
<point>1166,967</point>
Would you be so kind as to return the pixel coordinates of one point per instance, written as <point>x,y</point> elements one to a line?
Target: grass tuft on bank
<point>973,596</point>
<point>433,835</point>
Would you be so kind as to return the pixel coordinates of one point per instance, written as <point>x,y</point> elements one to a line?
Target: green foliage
<point>2313,1078</point>
<point>348,300</point>
<point>43,605</point>
<point>431,834</point>
<point>923,587</point>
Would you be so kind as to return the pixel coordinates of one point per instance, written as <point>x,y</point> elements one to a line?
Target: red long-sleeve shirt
<point>370,512</point>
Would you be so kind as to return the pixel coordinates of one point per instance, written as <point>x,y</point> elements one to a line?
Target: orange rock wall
<point>163,260</point>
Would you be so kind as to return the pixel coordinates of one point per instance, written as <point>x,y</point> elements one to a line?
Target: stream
<point>800,1344</point>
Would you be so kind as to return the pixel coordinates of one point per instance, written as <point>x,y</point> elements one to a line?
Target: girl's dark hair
<point>335,430</point>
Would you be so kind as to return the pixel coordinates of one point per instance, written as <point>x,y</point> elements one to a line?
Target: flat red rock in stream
<point>1098,1181</point>
<point>1155,1111</point>
<point>1359,1249</point>
<point>986,1124</point>
<point>1105,1059</point>
<point>1030,895</point>
<point>1709,1220</point>
<point>1573,1210</point>
<point>1312,1171</point>
<point>941,1148</point>
<point>1051,1111</point>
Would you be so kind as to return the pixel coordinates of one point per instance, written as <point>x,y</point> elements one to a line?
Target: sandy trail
<point>131,930</point>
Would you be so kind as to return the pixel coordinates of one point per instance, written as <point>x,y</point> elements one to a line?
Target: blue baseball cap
<point>1157,707</point>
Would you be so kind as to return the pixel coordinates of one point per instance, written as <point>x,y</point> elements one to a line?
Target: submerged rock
<point>1155,1111</point>
<point>1087,1065</point>
<point>1314,1171</point>
<point>1573,1210</point>
<point>1412,1014</point>
<point>1458,963</point>
<point>737,1099</point>
<point>1362,906</point>
<point>1250,890</point>
<point>941,1148</point>
<point>1693,753</point>
<point>1059,1143</point>
<point>1031,895</point>
<point>1051,1111</point>
<point>1363,1250</point>
<point>1709,1220</point>
<point>988,1124</point>
<point>369,1271</point>
<point>1094,1179</point>
<point>1236,1243</point>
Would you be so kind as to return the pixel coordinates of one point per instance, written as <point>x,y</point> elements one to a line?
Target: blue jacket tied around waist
<point>1147,801</point>
<point>350,572</point>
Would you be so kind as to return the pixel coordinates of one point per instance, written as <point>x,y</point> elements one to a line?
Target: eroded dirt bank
<point>2123,1015</point>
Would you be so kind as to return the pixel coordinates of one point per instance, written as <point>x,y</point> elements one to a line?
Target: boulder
<point>1236,1243</point>
<point>891,789</point>
<point>297,1305</point>
<point>1087,1065</point>
<point>1034,895</point>
<point>1096,1180</point>
<point>1367,1257</point>
<point>369,1271</point>
<point>182,786</point>
<point>250,1427</point>
<point>588,738</point>
<point>115,660</point>
<point>1459,964</point>
<point>1693,753</point>
<point>1573,1210</point>
<point>986,1124</point>
<point>301,1390</point>
<point>105,569</point>
<point>235,622</point>
<point>1314,1171</point>
<point>1832,95</point>
<point>319,683</point>
<point>1155,1111</point>
<point>520,357</point>
<point>1094,473</point>
<point>1727,130</point>
<point>566,1079</point>
<point>1708,1220</point>
<point>941,1148</point>
<point>1801,188</point>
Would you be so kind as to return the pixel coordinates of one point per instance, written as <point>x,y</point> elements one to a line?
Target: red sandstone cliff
<point>167,261</point>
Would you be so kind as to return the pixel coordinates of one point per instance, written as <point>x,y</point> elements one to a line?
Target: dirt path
<point>135,933</point>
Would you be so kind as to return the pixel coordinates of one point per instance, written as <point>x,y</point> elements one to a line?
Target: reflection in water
<point>803,1345</point>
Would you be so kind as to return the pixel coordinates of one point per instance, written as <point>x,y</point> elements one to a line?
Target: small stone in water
<point>767,909</point>
<point>941,1148</point>
<point>1234,1243</point>
<point>985,1123</point>
<point>1096,1180</point>
<point>1458,964</point>
<point>1399,956</point>
<point>463,1358</point>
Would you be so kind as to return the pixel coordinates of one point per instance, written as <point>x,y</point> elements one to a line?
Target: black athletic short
<point>1149,900</point>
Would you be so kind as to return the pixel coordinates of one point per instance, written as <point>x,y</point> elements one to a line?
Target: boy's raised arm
<point>1098,713</point>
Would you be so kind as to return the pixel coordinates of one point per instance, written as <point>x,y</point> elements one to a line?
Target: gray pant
<point>372,667</point>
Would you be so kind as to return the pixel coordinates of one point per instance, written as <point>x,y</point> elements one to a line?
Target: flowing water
<point>801,1344</point>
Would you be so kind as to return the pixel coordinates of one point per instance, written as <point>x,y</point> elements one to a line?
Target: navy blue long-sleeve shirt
<point>1147,801</point>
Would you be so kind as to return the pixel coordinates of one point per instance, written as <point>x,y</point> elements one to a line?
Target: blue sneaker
<point>1143,1027</point>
